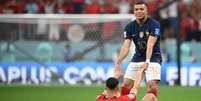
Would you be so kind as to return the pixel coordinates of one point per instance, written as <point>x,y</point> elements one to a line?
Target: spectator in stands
<point>1,6</point>
<point>31,7</point>
<point>124,7</point>
<point>44,52</point>
<point>193,32</point>
<point>50,6</point>
<point>20,6</point>
<point>185,52</point>
<point>109,7</point>
<point>192,58</point>
<point>152,5</point>
<point>189,25</point>
<point>93,8</point>
<point>9,7</point>
<point>165,54</point>
<point>65,7</point>
<point>54,32</point>
<point>41,6</point>
<point>78,6</point>
<point>109,27</point>
<point>187,55</point>
<point>184,26</point>
<point>194,18</point>
<point>8,52</point>
<point>68,54</point>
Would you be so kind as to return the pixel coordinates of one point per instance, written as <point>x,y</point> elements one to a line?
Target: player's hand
<point>145,66</point>
<point>134,91</point>
<point>118,71</point>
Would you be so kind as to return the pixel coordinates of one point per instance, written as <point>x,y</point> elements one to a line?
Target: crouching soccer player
<point>111,91</point>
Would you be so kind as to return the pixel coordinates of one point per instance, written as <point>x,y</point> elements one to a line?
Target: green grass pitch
<point>88,93</point>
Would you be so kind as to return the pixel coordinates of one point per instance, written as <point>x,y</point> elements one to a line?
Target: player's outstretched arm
<point>137,81</point>
<point>122,55</point>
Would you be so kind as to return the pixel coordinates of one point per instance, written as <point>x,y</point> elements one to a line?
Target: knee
<point>128,84</point>
<point>149,97</point>
<point>152,87</point>
<point>126,87</point>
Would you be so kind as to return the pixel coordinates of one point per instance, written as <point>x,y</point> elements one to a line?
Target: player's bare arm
<point>150,44</point>
<point>139,74</point>
<point>122,55</point>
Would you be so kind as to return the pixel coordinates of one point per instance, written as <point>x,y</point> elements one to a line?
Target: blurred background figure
<point>69,54</point>
<point>44,52</point>
<point>93,8</point>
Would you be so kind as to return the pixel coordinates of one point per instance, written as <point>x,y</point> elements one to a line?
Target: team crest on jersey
<point>147,33</point>
<point>141,34</point>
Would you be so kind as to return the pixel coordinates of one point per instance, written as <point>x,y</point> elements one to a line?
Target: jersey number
<point>142,45</point>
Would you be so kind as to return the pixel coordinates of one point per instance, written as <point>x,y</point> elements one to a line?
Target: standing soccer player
<point>145,33</point>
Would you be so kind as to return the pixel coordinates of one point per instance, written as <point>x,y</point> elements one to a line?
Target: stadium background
<point>64,49</point>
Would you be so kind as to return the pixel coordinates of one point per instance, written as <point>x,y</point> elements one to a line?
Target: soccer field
<point>88,93</point>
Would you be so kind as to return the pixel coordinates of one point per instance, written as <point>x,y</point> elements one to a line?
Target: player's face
<point>140,11</point>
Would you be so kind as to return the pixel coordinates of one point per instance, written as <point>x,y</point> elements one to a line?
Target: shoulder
<point>130,24</point>
<point>153,22</point>
<point>129,97</point>
<point>100,97</point>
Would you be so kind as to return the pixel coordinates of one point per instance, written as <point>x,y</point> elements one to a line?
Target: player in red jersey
<point>111,91</point>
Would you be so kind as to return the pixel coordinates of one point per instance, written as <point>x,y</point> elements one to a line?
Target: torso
<point>139,35</point>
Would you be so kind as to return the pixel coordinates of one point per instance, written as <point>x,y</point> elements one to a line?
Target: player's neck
<point>141,21</point>
<point>112,94</point>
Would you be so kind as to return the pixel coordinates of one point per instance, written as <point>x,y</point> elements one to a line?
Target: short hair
<point>112,83</point>
<point>138,2</point>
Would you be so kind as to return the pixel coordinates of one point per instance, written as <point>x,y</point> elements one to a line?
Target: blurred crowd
<point>165,11</point>
<point>189,12</point>
<point>72,6</point>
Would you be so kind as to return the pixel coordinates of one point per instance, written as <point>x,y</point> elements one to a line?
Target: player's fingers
<point>118,74</point>
<point>144,66</point>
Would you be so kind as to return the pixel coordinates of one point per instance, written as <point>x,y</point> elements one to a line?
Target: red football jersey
<point>129,97</point>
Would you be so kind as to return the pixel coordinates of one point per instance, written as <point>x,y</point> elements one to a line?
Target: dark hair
<point>138,2</point>
<point>112,83</point>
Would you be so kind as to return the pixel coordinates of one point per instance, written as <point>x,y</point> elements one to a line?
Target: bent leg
<point>126,86</point>
<point>152,91</point>
<point>153,77</point>
<point>152,87</point>
<point>129,77</point>
<point>149,97</point>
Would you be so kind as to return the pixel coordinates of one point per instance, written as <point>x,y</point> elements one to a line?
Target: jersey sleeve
<point>155,30</point>
<point>127,32</point>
